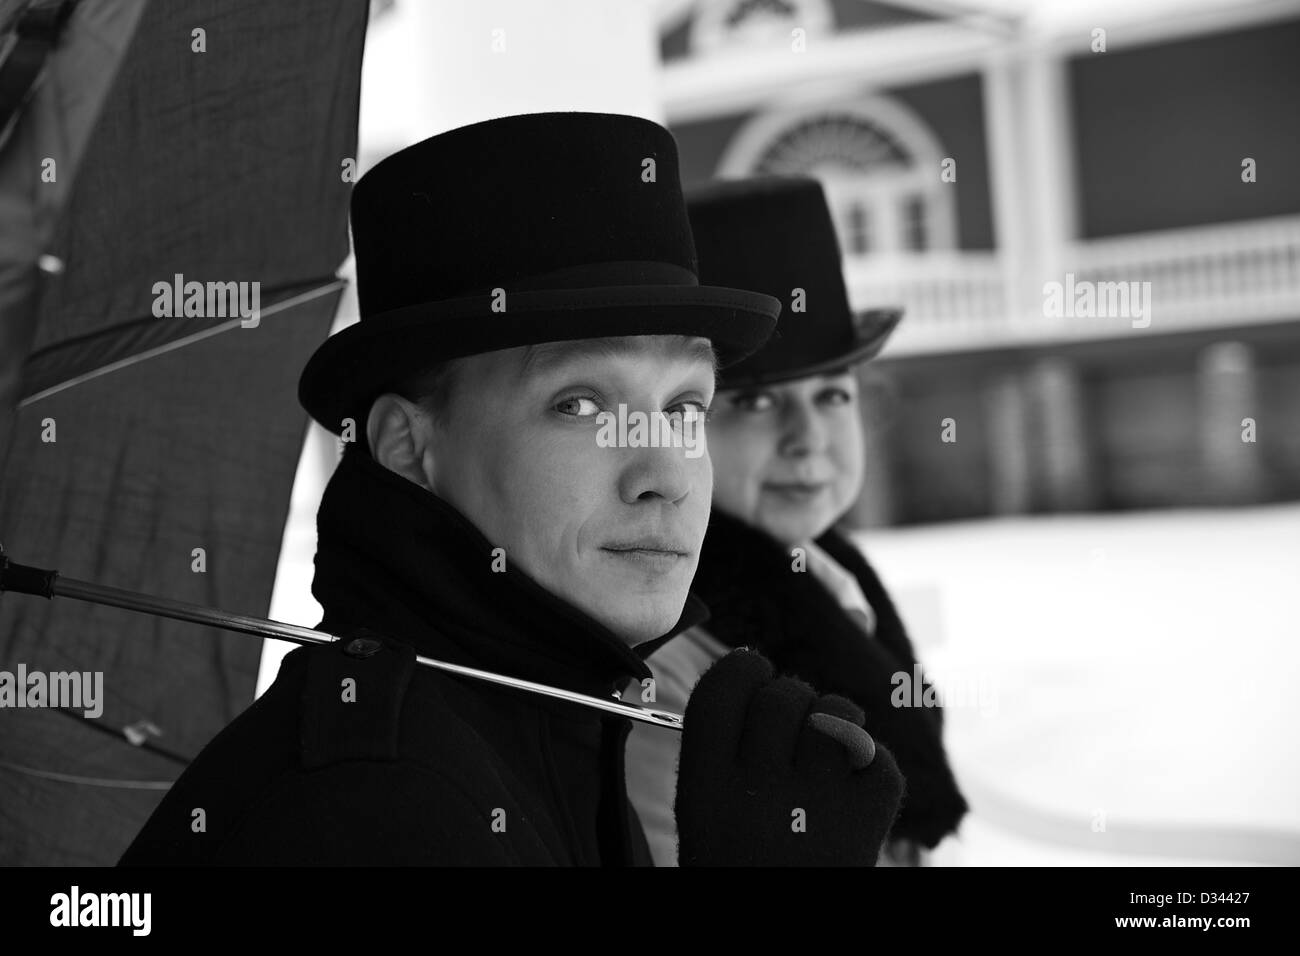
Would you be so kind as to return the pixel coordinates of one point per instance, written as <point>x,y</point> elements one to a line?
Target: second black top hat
<point>775,235</point>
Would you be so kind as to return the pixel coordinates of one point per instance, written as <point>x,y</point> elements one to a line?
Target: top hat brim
<point>353,367</point>
<point>873,329</point>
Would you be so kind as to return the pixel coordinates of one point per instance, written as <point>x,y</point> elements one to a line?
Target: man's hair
<point>431,387</point>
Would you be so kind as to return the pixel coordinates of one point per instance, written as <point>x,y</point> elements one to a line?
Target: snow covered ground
<point>1120,688</point>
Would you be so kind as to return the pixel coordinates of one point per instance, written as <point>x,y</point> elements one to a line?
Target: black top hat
<point>577,218</point>
<point>775,235</point>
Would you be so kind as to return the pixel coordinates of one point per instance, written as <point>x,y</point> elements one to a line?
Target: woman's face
<point>788,458</point>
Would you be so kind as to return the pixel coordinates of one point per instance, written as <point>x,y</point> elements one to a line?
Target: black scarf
<point>757,599</point>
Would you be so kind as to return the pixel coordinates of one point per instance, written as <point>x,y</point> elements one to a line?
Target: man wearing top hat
<point>517,278</point>
<point>785,438</point>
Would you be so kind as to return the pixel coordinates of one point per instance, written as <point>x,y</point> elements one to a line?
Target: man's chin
<point>636,621</point>
<point>638,628</point>
<point>634,614</point>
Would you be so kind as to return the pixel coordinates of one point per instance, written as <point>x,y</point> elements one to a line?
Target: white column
<point>434,66</point>
<point>1051,190</point>
<point>1010,469</point>
<point>1061,435</point>
<point>1228,393</point>
<point>1004,123</point>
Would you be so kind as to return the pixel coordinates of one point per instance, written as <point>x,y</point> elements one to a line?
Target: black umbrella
<point>208,143</point>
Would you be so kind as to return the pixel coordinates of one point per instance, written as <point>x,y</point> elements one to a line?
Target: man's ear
<point>398,432</point>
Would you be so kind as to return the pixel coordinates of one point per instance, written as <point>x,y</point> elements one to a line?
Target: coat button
<point>363,647</point>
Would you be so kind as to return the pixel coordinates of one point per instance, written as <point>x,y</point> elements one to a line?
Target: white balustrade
<point>1221,275</point>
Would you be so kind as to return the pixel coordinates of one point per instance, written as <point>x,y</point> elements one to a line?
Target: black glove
<point>843,661</point>
<point>771,774</point>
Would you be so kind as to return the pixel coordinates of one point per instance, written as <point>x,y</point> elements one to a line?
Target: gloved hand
<point>771,774</point>
<point>841,660</point>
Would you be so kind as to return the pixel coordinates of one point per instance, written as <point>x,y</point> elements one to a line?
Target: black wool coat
<point>358,756</point>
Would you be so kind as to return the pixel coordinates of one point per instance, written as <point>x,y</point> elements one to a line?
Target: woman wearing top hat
<point>785,436</point>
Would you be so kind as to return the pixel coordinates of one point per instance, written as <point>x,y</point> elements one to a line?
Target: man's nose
<point>658,472</point>
<point>802,430</point>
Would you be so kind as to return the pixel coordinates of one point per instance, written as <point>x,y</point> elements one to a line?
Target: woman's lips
<point>795,491</point>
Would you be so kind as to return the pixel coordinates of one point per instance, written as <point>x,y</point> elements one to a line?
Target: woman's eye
<point>753,401</point>
<point>577,406</point>
<point>836,396</point>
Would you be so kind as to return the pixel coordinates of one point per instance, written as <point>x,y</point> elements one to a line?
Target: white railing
<point>1221,275</point>
<point>1234,273</point>
<point>948,298</point>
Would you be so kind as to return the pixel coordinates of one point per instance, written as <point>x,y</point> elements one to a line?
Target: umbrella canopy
<point>150,447</point>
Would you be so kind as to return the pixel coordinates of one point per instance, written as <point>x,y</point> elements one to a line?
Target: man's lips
<point>649,545</point>
<point>653,554</point>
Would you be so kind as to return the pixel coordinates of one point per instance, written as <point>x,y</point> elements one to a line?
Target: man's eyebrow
<point>702,350</point>
<point>540,358</point>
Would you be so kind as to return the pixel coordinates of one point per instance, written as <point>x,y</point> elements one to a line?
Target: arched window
<point>879,163</point>
<point>748,23</point>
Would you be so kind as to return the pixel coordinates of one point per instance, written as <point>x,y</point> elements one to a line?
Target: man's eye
<point>753,401</point>
<point>692,409</point>
<point>688,412</point>
<point>577,406</point>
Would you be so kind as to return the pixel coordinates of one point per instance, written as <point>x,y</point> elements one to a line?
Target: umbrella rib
<point>89,781</point>
<point>288,303</point>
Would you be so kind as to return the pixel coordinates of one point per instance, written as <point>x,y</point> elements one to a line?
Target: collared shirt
<point>650,766</point>
<point>842,584</point>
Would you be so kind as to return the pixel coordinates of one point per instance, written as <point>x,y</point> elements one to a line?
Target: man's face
<point>788,457</point>
<point>615,531</point>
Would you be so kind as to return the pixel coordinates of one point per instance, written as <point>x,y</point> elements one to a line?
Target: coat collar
<point>397,558</point>
<point>744,577</point>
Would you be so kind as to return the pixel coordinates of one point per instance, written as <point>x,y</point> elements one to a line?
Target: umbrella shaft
<point>261,627</point>
<point>181,611</point>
